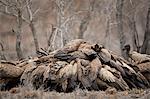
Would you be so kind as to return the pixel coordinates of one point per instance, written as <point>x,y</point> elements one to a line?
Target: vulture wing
<point>8,70</point>
<point>95,66</point>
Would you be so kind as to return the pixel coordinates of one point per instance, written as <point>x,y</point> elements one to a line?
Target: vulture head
<point>127,48</point>
<point>97,48</point>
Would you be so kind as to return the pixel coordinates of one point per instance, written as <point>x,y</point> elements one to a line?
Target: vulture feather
<point>83,74</point>
<point>135,56</point>
<point>26,76</point>
<point>112,80</point>
<point>9,70</point>
<point>54,69</point>
<point>95,66</point>
<point>138,58</point>
<point>88,51</point>
<point>72,45</point>
<point>37,76</point>
<point>66,73</point>
<point>145,70</point>
<point>78,54</point>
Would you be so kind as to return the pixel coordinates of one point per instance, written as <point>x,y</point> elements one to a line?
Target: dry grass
<point>27,93</point>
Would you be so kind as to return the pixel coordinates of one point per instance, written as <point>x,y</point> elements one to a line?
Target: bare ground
<point>21,93</point>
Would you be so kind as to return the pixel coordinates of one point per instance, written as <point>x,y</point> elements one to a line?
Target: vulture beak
<point>123,49</point>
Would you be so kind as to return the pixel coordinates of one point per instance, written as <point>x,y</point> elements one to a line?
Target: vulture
<point>72,45</point>
<point>108,58</point>
<point>37,76</point>
<point>9,70</point>
<point>9,75</point>
<point>145,70</point>
<point>86,48</point>
<point>54,69</point>
<point>79,54</point>
<point>64,53</point>
<point>82,73</point>
<point>52,78</point>
<point>135,56</point>
<point>142,61</point>
<point>26,76</point>
<point>87,73</point>
<point>112,78</point>
<point>66,74</point>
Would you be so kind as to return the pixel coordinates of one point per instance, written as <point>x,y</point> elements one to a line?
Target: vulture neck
<point>128,53</point>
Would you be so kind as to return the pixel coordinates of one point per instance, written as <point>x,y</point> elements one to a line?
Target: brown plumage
<point>95,66</point>
<point>134,75</point>
<point>83,72</point>
<point>115,81</point>
<point>37,76</point>
<point>104,55</point>
<point>145,70</point>
<point>69,71</point>
<point>144,67</point>
<point>78,54</point>
<point>135,56</point>
<point>87,50</point>
<point>72,45</point>
<point>102,85</point>
<point>142,61</point>
<point>88,71</point>
<point>26,76</point>
<point>9,70</point>
<point>54,70</point>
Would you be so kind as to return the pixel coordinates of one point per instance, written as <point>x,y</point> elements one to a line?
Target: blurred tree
<point>17,8</point>
<point>119,19</point>
<point>2,56</point>
<point>86,19</point>
<point>146,43</point>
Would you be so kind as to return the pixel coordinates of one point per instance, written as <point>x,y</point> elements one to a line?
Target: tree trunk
<point>18,35</point>
<point>2,56</point>
<point>119,19</point>
<point>135,37</point>
<point>85,21</point>
<point>34,33</point>
<point>146,43</point>
<point>84,25</point>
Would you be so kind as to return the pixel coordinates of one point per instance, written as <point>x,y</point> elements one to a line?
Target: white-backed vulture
<point>37,76</point>
<point>54,69</point>
<point>67,72</point>
<point>145,70</point>
<point>9,70</point>
<point>102,85</point>
<point>135,56</point>
<point>78,54</point>
<point>112,80</point>
<point>134,75</point>
<point>72,45</point>
<point>87,50</point>
<point>83,72</point>
<point>85,46</point>
<point>95,66</point>
<point>26,76</point>
<point>144,66</point>
<point>46,74</point>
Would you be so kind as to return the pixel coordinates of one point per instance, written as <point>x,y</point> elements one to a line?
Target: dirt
<point>27,93</point>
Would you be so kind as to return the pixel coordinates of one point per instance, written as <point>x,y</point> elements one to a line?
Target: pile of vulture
<point>78,64</point>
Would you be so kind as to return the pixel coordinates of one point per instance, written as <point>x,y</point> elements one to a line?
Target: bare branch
<point>36,11</point>
<point>29,10</point>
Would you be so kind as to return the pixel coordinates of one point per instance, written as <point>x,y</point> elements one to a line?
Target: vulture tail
<point>122,85</point>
